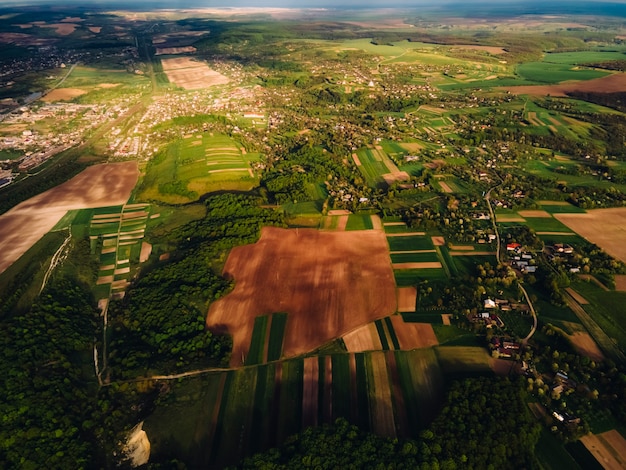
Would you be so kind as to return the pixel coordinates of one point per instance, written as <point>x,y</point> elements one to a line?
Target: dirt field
<point>413,335</point>
<point>190,74</point>
<point>620,282</point>
<point>391,178</point>
<point>97,186</point>
<point>586,346</point>
<point>509,218</point>
<point>381,409</point>
<point>421,265</point>
<point>604,227</point>
<point>63,94</point>
<point>438,241</point>
<point>535,213</point>
<point>554,203</point>
<point>364,338</point>
<point>609,84</point>
<point>406,299</point>
<point>357,160</point>
<point>174,50</point>
<point>609,449</point>
<point>577,297</point>
<point>329,282</point>
<point>377,224</point>
<point>444,187</point>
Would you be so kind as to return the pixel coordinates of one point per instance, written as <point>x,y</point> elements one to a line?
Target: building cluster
<point>520,258</point>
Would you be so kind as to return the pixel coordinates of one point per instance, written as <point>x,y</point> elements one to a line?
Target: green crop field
<point>546,224</point>
<point>547,72</point>
<point>414,257</point>
<point>459,359</point>
<point>257,343</point>
<point>277,332</point>
<point>196,165</point>
<point>359,222</point>
<point>410,243</point>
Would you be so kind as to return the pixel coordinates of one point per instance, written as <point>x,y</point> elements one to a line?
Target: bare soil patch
<point>97,186</point>
<point>615,82</point>
<point>381,416</point>
<point>411,146</point>
<point>342,222</point>
<point>438,241</point>
<point>535,213</point>
<point>609,449</point>
<point>445,319</point>
<point>472,253</point>
<point>554,203</point>
<point>391,178</point>
<point>175,50</point>
<point>63,94</point>
<point>339,212</point>
<point>586,346</point>
<point>328,282</point>
<point>377,224</point>
<point>191,75</point>
<point>356,159</point>
<point>501,367</point>
<point>406,299</point>
<point>413,335</point>
<point>510,218</point>
<point>445,187</point>
<point>422,265</point>
<point>146,250</point>
<point>364,338</point>
<point>462,247</point>
<point>604,227</point>
<point>490,49</point>
<point>95,29</point>
<point>310,387</point>
<point>63,29</point>
<point>620,282</point>
<point>406,234</point>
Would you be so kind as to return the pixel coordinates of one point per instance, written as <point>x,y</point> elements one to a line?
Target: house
<point>513,246</point>
<point>490,303</point>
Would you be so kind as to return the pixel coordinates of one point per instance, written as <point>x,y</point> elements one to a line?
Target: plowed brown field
<point>328,282</point>
<point>97,186</point>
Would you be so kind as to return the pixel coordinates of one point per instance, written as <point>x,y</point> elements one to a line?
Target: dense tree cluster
<point>162,318</point>
<point>47,398</point>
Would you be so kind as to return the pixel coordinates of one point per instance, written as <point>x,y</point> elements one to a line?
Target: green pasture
<point>463,359</point>
<point>277,332</point>
<point>412,277</point>
<point>451,335</point>
<point>359,222</point>
<point>195,165</point>
<point>410,243</point>
<point>414,257</point>
<point>466,265</point>
<point>374,164</point>
<point>582,57</point>
<point>549,72</point>
<point>545,224</point>
<point>561,208</point>
<point>257,342</point>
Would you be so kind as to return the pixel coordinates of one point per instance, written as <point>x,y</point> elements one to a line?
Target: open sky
<point>533,5</point>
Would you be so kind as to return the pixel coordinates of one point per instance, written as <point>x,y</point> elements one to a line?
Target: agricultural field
<point>116,235</point>
<point>377,168</point>
<point>343,279</point>
<point>195,165</point>
<point>230,414</point>
<point>376,143</point>
<point>108,184</point>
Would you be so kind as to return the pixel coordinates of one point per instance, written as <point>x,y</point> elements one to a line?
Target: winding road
<point>498,254</point>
